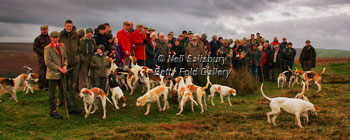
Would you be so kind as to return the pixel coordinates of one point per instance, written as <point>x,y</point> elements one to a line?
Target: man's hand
<point>127,52</point>
<point>63,69</point>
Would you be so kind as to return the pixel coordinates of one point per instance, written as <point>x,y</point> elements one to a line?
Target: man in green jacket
<point>56,60</point>
<point>71,41</point>
<point>86,52</point>
<point>225,51</point>
<point>99,64</point>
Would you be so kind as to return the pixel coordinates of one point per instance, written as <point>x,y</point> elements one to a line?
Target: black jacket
<point>308,53</point>
<point>289,54</point>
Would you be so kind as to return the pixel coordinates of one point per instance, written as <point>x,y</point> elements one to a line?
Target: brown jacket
<point>194,51</point>
<point>39,44</point>
<point>53,61</point>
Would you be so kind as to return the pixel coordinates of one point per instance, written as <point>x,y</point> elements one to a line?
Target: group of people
<point>73,59</point>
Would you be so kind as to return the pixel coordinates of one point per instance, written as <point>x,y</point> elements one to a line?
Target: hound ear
<point>123,99</point>
<point>34,75</point>
<point>317,109</point>
<point>143,101</point>
<point>232,91</point>
<point>23,76</point>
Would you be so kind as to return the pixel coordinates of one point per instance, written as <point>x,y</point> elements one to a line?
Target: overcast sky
<point>325,22</point>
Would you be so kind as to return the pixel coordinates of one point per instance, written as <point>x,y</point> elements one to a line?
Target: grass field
<point>29,118</point>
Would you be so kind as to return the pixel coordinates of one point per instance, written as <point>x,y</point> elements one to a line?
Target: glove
<point>145,41</point>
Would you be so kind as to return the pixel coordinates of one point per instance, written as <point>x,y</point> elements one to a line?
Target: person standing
<point>225,51</point>
<point>152,51</point>
<point>71,42</point>
<point>99,64</point>
<point>139,40</point>
<point>87,50</point>
<point>164,51</point>
<point>115,45</point>
<point>262,63</point>
<point>39,44</point>
<point>56,60</point>
<point>101,37</point>
<point>276,63</point>
<point>289,55</point>
<point>308,57</point>
<point>269,60</point>
<point>124,41</point>
<point>254,57</point>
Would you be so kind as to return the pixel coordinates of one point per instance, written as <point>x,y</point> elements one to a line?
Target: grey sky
<point>325,22</point>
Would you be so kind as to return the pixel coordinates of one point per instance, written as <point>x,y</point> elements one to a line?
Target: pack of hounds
<point>181,88</point>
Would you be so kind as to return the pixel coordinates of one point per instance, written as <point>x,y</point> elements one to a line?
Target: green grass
<point>332,53</point>
<point>29,118</point>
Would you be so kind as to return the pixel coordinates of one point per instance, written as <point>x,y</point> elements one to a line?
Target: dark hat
<point>139,25</point>
<point>44,27</point>
<point>290,43</point>
<point>267,41</point>
<point>184,31</point>
<point>190,32</point>
<point>126,23</point>
<point>113,48</point>
<point>307,41</point>
<point>89,30</point>
<point>54,34</point>
<point>100,47</point>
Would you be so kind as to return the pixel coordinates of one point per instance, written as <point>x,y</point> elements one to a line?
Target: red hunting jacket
<point>137,39</point>
<point>124,41</point>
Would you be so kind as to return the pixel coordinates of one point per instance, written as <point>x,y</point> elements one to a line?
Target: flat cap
<point>307,41</point>
<point>89,30</point>
<point>54,34</point>
<point>151,29</point>
<point>139,25</point>
<point>181,35</point>
<point>100,47</point>
<point>44,27</point>
<point>145,27</point>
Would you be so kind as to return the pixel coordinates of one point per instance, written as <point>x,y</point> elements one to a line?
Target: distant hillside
<point>327,53</point>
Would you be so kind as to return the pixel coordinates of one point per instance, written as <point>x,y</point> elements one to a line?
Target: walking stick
<point>64,95</point>
<point>262,73</point>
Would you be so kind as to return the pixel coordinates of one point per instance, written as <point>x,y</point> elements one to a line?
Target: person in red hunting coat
<point>124,38</point>
<point>139,38</point>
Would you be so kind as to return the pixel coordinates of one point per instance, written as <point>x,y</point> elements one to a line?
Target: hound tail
<point>211,84</point>
<point>263,94</point>
<point>27,67</point>
<point>206,85</point>
<point>324,70</point>
<point>302,92</point>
